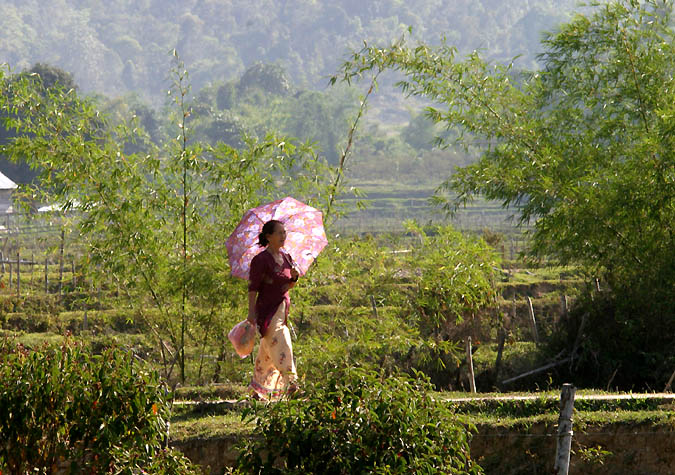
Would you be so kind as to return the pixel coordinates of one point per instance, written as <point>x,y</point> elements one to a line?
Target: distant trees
<point>264,98</point>
<point>270,78</point>
<point>51,76</point>
<point>116,46</point>
<point>48,77</point>
<point>583,150</point>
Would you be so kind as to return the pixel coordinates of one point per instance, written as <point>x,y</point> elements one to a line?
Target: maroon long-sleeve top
<point>271,281</point>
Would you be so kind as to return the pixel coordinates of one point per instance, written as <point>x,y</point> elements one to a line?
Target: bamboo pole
<point>46,278</point>
<point>469,363</point>
<point>533,320</point>
<point>63,238</point>
<point>562,455</point>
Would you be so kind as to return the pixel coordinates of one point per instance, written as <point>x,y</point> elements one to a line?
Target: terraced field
<point>389,204</point>
<point>362,319</point>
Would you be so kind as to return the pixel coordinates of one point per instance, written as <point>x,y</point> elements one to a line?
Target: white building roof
<point>6,183</point>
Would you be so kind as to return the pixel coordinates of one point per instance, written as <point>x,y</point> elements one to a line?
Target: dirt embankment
<point>615,448</point>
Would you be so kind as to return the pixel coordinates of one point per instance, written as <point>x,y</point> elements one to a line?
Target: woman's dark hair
<point>268,228</point>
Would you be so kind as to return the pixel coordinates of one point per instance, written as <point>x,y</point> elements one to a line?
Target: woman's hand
<point>294,274</point>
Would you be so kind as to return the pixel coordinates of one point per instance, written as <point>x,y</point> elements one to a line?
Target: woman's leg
<point>280,348</point>
<point>274,365</point>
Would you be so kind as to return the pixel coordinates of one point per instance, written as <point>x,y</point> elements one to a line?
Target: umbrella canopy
<point>305,236</point>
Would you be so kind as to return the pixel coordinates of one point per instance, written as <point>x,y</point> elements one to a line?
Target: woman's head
<point>272,231</point>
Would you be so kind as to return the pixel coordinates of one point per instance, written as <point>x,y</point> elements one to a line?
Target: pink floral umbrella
<point>305,236</point>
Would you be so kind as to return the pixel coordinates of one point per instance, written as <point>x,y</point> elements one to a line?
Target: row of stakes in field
<point>13,267</point>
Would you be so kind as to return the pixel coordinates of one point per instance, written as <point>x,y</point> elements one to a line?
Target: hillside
<point>118,46</point>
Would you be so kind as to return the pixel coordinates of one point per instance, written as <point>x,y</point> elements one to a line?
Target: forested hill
<point>116,46</point>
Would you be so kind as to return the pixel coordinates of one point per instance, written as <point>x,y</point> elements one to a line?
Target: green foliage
<point>156,220</point>
<point>457,277</point>
<point>550,404</point>
<point>51,76</point>
<point>63,409</point>
<point>593,455</point>
<point>420,133</point>
<point>261,100</point>
<point>46,77</point>
<point>356,421</point>
<point>420,305</point>
<point>582,149</point>
<point>634,351</point>
<point>269,78</point>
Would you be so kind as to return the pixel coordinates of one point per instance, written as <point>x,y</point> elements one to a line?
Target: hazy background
<point>115,46</point>
<point>258,65</point>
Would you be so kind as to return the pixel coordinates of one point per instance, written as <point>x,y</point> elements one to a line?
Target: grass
<point>584,421</point>
<point>210,427</point>
<point>209,392</point>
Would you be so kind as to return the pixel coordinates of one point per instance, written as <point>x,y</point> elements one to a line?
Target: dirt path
<point>587,397</point>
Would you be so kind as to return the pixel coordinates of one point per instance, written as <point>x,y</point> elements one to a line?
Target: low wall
<point>615,448</point>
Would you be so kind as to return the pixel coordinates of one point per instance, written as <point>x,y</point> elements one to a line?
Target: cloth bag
<point>242,337</point>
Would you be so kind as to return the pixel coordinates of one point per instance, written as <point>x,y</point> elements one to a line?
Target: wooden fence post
<point>2,261</point>
<point>500,349</point>
<point>46,278</point>
<point>18,273</point>
<point>562,455</point>
<point>534,322</point>
<point>10,274</point>
<point>469,363</point>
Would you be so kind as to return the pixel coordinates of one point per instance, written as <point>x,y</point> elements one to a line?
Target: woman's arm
<point>294,278</point>
<point>294,270</point>
<point>252,294</point>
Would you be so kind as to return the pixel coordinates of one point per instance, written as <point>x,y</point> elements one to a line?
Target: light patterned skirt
<point>274,366</point>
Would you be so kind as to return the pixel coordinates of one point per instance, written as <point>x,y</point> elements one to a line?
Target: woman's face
<point>278,237</point>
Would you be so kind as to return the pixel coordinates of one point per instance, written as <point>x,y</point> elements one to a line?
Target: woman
<point>271,275</point>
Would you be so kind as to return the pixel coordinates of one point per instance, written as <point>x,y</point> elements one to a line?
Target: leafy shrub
<point>614,346</point>
<point>457,277</point>
<point>356,421</point>
<point>63,409</point>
